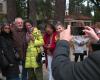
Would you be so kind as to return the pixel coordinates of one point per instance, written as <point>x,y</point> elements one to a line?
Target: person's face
<point>59,29</point>
<point>7,29</point>
<point>19,23</point>
<point>28,25</point>
<point>97,29</point>
<point>49,30</point>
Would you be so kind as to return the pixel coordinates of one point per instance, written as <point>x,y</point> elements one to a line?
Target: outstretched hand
<point>66,34</point>
<point>91,33</point>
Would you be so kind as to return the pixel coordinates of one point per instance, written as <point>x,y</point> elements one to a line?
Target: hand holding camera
<point>90,33</point>
<point>86,31</point>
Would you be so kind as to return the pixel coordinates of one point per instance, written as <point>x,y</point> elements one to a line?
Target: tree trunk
<point>11,10</point>
<point>60,6</point>
<point>32,11</point>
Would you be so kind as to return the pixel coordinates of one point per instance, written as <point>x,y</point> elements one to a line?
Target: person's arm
<point>39,39</point>
<point>91,33</point>
<point>61,65</point>
<point>64,69</point>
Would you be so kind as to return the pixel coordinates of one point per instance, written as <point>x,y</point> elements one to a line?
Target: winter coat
<point>80,44</point>
<point>33,49</point>
<point>52,44</point>
<point>20,43</point>
<point>7,46</point>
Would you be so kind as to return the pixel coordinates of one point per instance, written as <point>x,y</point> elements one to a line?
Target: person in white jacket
<point>80,47</point>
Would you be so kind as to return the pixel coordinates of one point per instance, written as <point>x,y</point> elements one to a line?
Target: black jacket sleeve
<point>64,69</point>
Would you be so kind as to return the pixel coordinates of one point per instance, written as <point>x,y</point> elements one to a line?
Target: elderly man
<point>19,36</point>
<point>64,69</point>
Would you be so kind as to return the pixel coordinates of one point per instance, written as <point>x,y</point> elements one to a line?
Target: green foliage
<point>96,10</point>
<point>96,3</point>
<point>72,4</point>
<point>87,10</point>
<point>96,17</point>
<point>82,9</point>
<point>20,5</point>
<point>44,9</point>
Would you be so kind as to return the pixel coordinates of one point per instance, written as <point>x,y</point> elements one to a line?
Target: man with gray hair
<point>19,36</point>
<point>19,23</point>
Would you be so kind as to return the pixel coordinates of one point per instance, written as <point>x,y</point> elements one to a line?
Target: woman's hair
<point>27,21</point>
<point>59,24</point>
<point>3,26</point>
<point>3,33</point>
<point>97,25</point>
<point>51,26</point>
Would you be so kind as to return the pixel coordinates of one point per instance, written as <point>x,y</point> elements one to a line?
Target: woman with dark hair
<point>33,61</point>
<point>80,43</point>
<point>49,46</point>
<point>9,57</point>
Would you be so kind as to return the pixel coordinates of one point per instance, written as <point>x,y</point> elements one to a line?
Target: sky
<point>67,1</point>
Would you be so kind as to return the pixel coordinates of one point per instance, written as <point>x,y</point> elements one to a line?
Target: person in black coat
<point>9,61</point>
<point>64,69</point>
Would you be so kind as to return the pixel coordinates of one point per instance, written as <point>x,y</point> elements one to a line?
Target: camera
<point>77,30</point>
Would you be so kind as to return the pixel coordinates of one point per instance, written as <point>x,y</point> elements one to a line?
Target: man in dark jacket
<point>19,36</point>
<point>64,69</point>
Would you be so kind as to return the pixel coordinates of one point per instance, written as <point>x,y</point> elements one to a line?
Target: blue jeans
<point>24,74</point>
<point>24,71</point>
<point>13,77</point>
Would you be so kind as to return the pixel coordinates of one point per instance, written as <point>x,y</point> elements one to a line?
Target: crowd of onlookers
<point>21,45</point>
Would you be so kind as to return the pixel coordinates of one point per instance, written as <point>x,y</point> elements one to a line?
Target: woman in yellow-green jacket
<point>35,41</point>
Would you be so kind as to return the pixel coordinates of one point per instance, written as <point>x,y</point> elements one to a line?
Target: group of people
<point>21,45</point>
